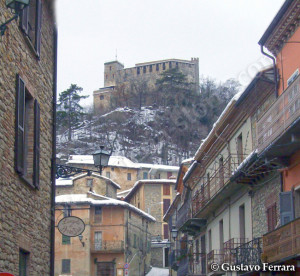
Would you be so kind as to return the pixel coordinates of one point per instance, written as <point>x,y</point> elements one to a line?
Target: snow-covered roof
<point>123,193</point>
<point>119,161</point>
<point>104,201</point>
<point>69,181</point>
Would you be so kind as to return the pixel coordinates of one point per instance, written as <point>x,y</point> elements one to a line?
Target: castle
<point>116,75</point>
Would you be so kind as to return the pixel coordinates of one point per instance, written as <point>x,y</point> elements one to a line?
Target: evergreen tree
<point>69,111</point>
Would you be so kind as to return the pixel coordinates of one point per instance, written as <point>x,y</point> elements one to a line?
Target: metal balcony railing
<point>198,264</point>
<point>219,178</point>
<point>184,213</point>
<point>282,113</point>
<point>282,243</point>
<point>249,253</point>
<point>214,257</point>
<point>105,246</point>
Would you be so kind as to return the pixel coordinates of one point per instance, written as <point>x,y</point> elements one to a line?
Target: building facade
<point>115,232</point>
<point>154,197</point>
<point>116,76</point>
<point>27,139</point>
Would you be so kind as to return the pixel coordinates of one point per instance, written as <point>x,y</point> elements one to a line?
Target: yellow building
<point>115,232</point>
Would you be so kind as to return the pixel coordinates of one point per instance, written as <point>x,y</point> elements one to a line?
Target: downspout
<point>53,160</point>
<point>274,67</point>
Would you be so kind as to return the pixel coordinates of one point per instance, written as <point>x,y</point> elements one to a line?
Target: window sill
<point>30,45</point>
<point>28,182</point>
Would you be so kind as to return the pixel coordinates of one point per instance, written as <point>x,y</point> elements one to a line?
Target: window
<point>221,233</point>
<point>138,70</point>
<point>134,240</point>
<point>158,176</point>
<point>176,64</point>
<point>23,262</point>
<point>150,68</point>
<point>98,240</point>
<point>166,189</point>
<point>209,241</point>
<point>101,97</point>
<point>66,239</point>
<point>157,67</point>
<point>112,169</point>
<point>169,174</point>
<point>240,148</point>
<point>144,69</point>
<point>89,182</point>
<point>166,231</point>
<point>30,24</point>
<point>166,203</point>
<point>98,214</point>
<point>271,217</point>
<point>221,171</point>
<point>128,176</point>
<point>65,266</point>
<point>164,66</point>
<point>170,64</point>
<point>242,223</point>
<point>27,145</point>
<point>108,174</point>
<point>145,175</point>
<point>109,68</point>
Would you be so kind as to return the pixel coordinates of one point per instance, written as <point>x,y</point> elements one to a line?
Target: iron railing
<point>249,253</point>
<point>108,246</point>
<point>184,213</point>
<point>198,264</point>
<point>219,178</point>
<point>283,242</point>
<point>214,257</point>
<point>282,113</point>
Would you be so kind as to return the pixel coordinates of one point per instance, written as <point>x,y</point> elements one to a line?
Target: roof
<point>119,161</point>
<point>102,201</point>
<point>148,181</point>
<point>165,60</point>
<point>69,181</point>
<point>275,21</point>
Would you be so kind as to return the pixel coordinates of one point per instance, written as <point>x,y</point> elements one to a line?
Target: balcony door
<point>98,240</point>
<point>105,269</point>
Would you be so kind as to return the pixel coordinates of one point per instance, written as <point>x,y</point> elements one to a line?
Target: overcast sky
<point>222,33</point>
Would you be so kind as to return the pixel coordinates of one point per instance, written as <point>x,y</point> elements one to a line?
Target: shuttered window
<point>166,189</point>
<point>27,135</point>
<point>31,19</point>
<point>271,217</point>
<point>166,231</point>
<point>166,205</point>
<point>66,239</point>
<point>286,207</point>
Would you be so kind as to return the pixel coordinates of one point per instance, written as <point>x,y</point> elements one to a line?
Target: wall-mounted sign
<point>71,226</point>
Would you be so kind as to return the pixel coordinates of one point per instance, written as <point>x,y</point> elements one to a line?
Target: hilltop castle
<point>116,75</point>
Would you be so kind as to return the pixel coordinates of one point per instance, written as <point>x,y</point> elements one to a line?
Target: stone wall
<point>157,256</point>
<point>25,211</point>
<point>265,196</point>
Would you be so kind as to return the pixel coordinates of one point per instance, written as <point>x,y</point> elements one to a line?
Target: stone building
<point>115,232</point>
<point>154,197</point>
<point>116,76</point>
<point>27,139</point>
<point>124,171</point>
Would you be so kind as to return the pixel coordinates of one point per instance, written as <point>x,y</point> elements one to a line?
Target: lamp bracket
<point>3,26</point>
<point>63,171</point>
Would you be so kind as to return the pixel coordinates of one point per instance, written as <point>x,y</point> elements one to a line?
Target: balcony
<point>282,243</point>
<point>107,247</point>
<point>198,264</point>
<point>218,181</point>
<point>249,253</point>
<point>278,120</point>
<point>215,257</point>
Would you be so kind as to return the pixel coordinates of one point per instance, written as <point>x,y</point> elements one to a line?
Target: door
<point>98,240</point>
<point>105,269</point>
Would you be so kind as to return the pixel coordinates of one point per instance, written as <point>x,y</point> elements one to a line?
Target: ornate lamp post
<point>16,7</point>
<point>101,158</point>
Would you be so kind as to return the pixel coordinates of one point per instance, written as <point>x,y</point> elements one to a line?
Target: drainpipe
<point>274,67</point>
<point>53,161</point>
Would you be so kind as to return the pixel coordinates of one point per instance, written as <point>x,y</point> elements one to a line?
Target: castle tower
<point>111,71</point>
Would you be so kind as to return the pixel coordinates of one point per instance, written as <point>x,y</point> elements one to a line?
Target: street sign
<point>71,226</point>
<point>126,272</point>
<point>126,265</point>
<point>5,274</point>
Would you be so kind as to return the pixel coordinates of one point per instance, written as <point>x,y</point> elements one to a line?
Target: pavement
<point>156,271</point>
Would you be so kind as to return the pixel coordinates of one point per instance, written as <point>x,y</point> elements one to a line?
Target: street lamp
<point>16,7</point>
<point>174,233</point>
<point>101,158</point>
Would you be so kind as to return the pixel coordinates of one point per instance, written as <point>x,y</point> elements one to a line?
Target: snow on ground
<point>156,271</point>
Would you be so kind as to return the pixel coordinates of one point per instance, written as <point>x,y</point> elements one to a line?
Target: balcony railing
<point>198,264</point>
<point>215,257</point>
<point>284,111</point>
<point>249,253</point>
<point>184,214</point>
<point>216,182</point>
<point>108,246</point>
<point>282,243</point>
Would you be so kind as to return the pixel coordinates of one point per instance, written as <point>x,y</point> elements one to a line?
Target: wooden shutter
<point>38,26</point>
<point>24,20</point>
<point>66,239</point>
<point>36,148</point>
<point>66,266</point>
<point>271,217</point>
<point>166,205</point>
<point>20,126</point>
<point>166,189</point>
<point>286,207</point>
<point>166,231</point>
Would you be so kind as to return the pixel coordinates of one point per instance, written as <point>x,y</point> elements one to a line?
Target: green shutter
<point>66,239</point>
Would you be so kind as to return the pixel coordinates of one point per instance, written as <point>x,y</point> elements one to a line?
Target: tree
<point>69,112</point>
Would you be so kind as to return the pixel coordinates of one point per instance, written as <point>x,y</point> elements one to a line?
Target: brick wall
<point>25,212</point>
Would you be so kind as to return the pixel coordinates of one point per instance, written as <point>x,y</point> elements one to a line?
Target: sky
<point>223,34</point>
